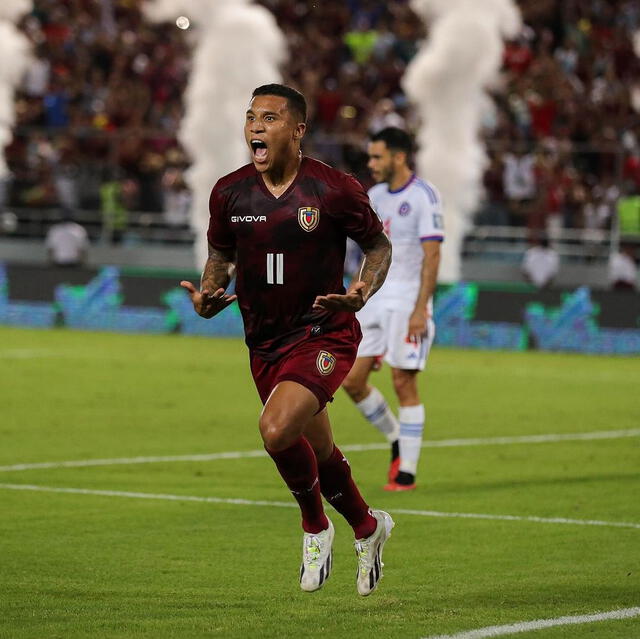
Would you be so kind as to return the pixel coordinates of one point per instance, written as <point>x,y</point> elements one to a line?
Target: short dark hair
<point>295,99</point>
<point>396,139</point>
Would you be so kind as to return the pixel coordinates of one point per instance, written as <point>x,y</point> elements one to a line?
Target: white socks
<point>408,430</point>
<point>411,427</point>
<point>375,409</point>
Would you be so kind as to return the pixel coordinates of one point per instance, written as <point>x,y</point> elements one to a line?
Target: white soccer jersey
<point>411,215</point>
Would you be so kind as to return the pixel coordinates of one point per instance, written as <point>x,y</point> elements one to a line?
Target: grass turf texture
<point>78,565</point>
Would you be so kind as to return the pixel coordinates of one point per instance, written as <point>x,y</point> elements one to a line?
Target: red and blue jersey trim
<point>406,186</point>
<point>414,179</point>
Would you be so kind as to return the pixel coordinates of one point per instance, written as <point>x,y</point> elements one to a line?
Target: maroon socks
<point>299,469</point>
<point>306,479</point>
<point>341,492</point>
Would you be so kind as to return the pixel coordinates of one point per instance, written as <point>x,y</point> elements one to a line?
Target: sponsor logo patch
<point>248,218</point>
<point>325,362</point>
<point>308,218</point>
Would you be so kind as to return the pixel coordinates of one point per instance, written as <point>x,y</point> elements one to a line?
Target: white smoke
<point>237,47</point>
<point>447,82</point>
<point>14,56</point>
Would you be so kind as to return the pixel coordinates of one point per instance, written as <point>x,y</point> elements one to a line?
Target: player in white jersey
<point>396,323</point>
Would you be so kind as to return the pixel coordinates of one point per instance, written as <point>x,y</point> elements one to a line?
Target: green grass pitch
<point>87,565</point>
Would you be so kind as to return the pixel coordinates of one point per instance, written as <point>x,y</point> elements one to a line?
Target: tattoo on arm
<point>218,271</point>
<point>377,259</point>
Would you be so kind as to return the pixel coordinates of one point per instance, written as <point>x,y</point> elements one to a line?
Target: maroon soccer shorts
<point>317,363</point>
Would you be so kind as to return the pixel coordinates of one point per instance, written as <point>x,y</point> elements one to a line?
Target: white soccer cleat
<point>317,557</point>
<point>369,553</point>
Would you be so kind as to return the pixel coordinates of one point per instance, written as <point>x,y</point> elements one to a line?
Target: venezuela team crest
<point>308,218</point>
<point>325,362</point>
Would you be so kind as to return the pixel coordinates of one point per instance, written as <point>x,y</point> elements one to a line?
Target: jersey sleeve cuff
<point>432,238</point>
<point>220,246</point>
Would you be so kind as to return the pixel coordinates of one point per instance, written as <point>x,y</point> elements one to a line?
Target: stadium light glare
<point>183,23</point>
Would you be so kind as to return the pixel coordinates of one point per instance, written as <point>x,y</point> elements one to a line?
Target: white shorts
<point>384,333</point>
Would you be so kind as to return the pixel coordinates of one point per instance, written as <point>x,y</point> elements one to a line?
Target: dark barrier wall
<point>139,287</point>
<point>469,315</point>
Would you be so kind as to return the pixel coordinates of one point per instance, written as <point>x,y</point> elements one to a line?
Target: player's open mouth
<point>259,149</point>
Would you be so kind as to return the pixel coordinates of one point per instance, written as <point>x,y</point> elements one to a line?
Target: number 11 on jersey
<point>279,268</point>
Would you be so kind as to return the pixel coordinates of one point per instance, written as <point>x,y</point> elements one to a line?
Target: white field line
<point>283,504</point>
<point>437,443</point>
<point>529,518</point>
<point>529,626</point>
<point>135,495</point>
<point>26,353</point>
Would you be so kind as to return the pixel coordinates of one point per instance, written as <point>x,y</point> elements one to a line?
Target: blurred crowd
<point>98,111</point>
<point>564,138</point>
<point>101,103</point>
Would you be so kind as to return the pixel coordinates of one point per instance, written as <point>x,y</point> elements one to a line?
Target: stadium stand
<point>99,108</point>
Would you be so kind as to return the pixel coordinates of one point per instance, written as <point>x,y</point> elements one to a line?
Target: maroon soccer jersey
<point>289,249</point>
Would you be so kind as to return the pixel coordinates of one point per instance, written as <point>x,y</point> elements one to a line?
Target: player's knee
<point>275,435</point>
<point>355,388</point>
<point>404,384</point>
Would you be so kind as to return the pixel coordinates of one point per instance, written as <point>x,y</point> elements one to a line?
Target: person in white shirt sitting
<point>540,263</point>
<point>67,242</point>
<point>623,270</point>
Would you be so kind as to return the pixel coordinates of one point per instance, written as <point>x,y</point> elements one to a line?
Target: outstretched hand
<point>352,300</point>
<point>205,303</point>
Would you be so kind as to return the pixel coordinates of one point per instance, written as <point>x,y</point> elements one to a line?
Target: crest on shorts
<point>325,362</point>
<point>308,218</point>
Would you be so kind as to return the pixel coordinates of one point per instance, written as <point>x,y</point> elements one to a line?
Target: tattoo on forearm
<point>218,270</point>
<point>377,259</point>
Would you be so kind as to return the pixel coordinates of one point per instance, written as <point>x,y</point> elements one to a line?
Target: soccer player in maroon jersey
<point>280,224</point>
